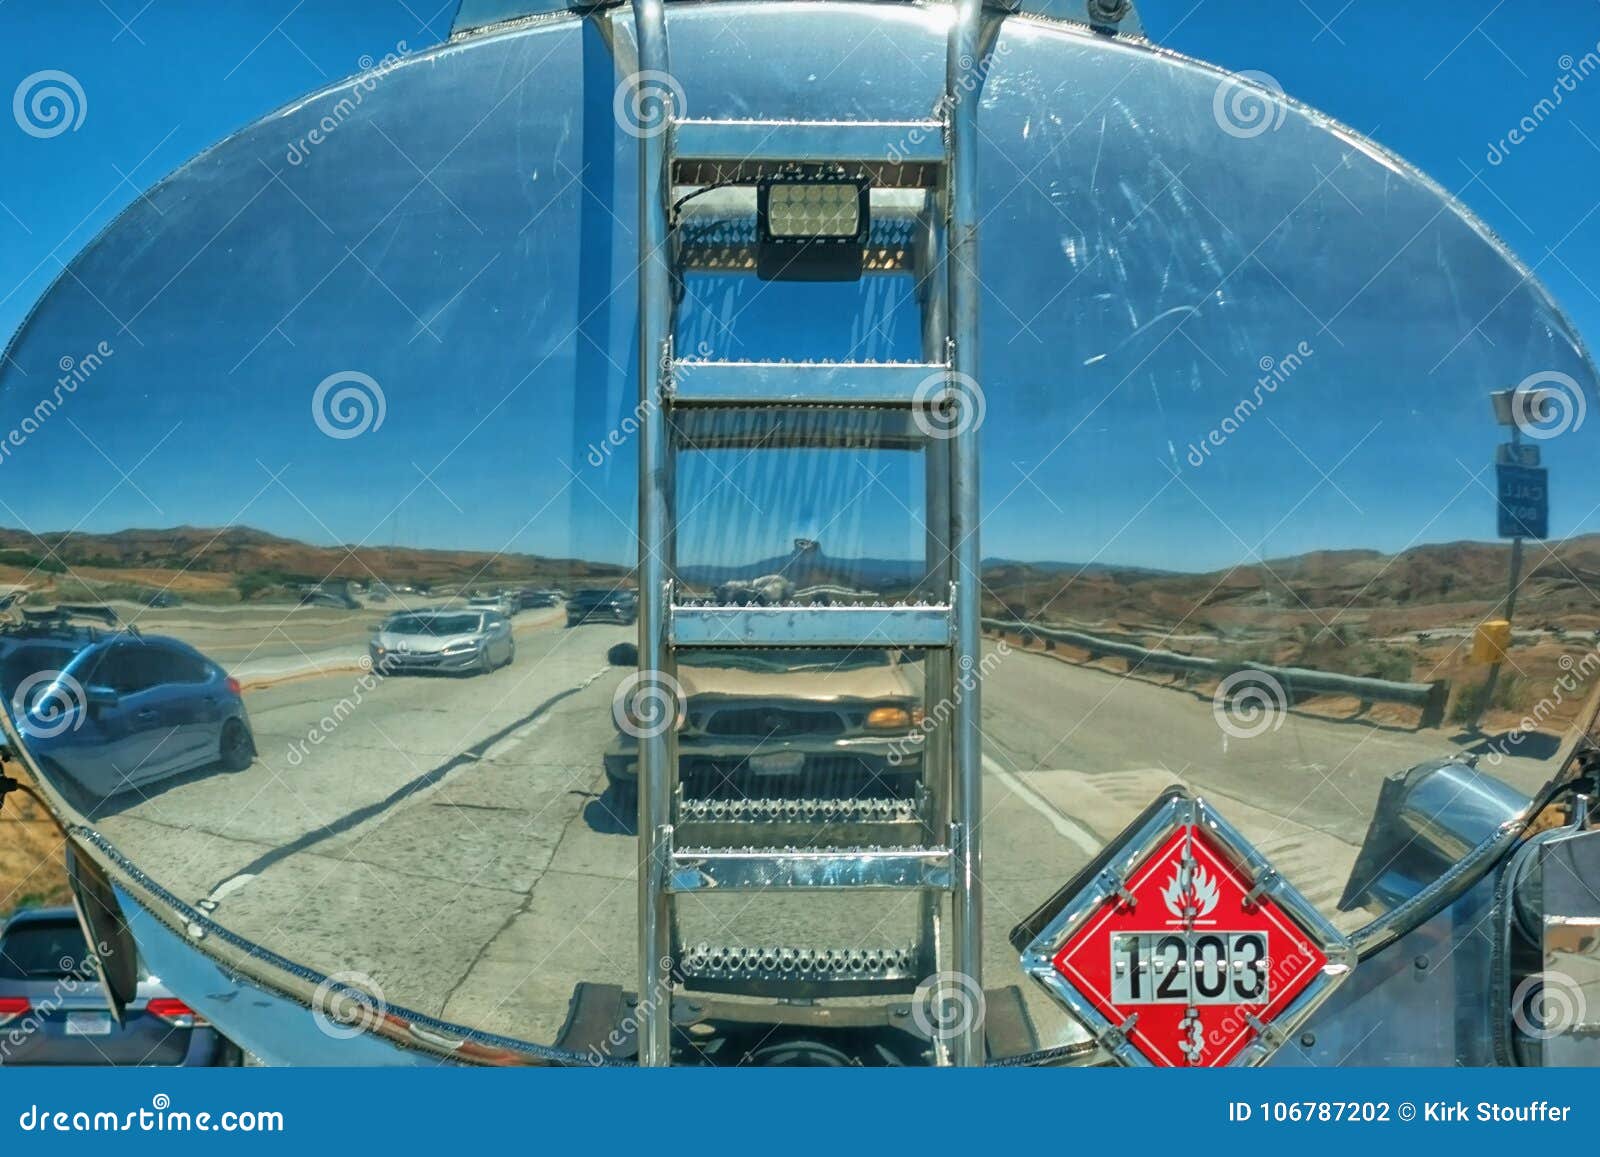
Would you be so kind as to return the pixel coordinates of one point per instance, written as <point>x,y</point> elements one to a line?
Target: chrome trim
<point>1451,886</point>
<point>965,68</point>
<point>656,750</point>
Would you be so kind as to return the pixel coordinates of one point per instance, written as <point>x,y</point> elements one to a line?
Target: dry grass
<point>31,871</point>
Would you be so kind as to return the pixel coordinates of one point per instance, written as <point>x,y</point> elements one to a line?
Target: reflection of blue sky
<point>503,364</point>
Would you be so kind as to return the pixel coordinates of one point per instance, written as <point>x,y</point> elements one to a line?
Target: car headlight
<point>460,648</point>
<point>888,719</point>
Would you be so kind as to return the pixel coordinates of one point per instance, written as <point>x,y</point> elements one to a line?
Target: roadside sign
<point>1524,501</point>
<point>1517,454</point>
<point>1181,946</point>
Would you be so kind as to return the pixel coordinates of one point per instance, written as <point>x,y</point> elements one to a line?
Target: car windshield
<point>23,663</point>
<point>41,949</point>
<point>434,624</point>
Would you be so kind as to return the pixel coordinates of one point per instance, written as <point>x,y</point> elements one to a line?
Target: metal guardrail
<point>1430,698</point>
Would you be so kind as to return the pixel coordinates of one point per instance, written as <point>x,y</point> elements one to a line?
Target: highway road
<point>450,838</point>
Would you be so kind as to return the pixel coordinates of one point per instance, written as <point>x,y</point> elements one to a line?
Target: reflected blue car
<point>114,711</point>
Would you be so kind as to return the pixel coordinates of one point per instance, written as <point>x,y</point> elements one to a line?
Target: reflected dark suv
<point>603,605</point>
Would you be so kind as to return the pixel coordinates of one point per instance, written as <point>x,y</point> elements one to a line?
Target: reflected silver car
<point>471,640</point>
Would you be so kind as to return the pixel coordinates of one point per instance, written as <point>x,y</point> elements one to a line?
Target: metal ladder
<point>685,404</point>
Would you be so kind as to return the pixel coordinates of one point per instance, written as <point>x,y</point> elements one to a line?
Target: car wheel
<point>238,749</point>
<point>511,656</point>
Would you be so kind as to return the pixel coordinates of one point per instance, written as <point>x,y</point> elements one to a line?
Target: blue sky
<point>1438,84</point>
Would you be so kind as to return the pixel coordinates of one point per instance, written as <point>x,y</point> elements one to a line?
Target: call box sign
<point>1524,505</point>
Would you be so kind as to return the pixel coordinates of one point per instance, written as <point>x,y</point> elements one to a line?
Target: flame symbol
<point>1198,893</point>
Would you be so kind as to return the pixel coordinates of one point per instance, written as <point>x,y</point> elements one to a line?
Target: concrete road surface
<point>450,839</point>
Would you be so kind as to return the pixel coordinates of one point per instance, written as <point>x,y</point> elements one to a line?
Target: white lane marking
<point>1066,826</point>
<point>516,739</point>
<point>234,883</point>
<point>226,888</point>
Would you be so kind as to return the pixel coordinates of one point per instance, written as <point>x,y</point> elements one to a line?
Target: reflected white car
<point>472,640</point>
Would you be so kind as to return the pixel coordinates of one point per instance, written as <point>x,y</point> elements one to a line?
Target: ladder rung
<point>829,626</point>
<point>798,972</point>
<point>895,154</point>
<point>704,257</point>
<point>774,822</point>
<point>800,383</point>
<point>796,428</point>
<point>758,869</point>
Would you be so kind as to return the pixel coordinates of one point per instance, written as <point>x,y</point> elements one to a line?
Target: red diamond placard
<point>1181,946</point>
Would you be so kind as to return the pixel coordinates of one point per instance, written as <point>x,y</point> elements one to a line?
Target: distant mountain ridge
<point>1556,576</point>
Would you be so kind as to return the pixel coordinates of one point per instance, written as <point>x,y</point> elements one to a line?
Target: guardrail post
<point>1433,709</point>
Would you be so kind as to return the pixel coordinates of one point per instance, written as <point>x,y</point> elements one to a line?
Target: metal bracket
<point>1264,882</point>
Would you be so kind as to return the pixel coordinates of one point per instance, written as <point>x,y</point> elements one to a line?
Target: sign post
<point>1522,489</point>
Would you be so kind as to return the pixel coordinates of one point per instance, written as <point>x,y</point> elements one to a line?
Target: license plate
<point>1189,968</point>
<point>88,1024</point>
<point>778,763</point>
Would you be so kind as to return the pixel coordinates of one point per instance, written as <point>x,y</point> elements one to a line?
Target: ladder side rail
<point>962,81</point>
<point>654,277</point>
<point>938,684</point>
